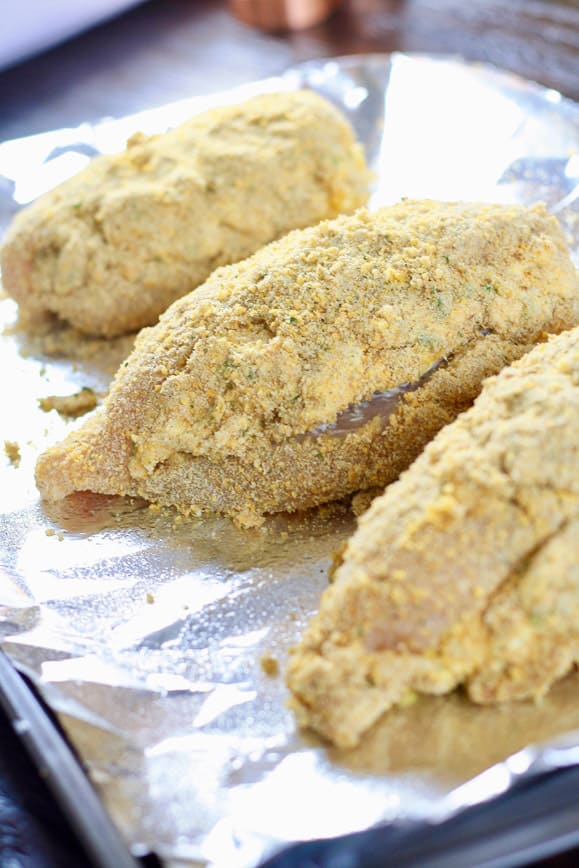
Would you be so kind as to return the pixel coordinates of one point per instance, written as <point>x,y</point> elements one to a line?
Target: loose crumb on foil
<point>269,665</point>
<point>70,405</point>
<point>12,450</point>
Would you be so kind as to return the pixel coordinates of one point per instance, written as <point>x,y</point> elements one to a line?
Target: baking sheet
<point>150,634</point>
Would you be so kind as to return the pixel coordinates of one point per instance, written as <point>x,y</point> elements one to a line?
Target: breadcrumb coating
<point>466,570</point>
<point>219,406</point>
<point>112,247</point>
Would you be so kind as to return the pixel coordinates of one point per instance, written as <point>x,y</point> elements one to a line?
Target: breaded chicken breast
<point>466,571</point>
<point>112,247</point>
<point>325,362</point>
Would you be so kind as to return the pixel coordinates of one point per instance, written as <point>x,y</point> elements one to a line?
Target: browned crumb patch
<point>337,561</point>
<point>362,500</point>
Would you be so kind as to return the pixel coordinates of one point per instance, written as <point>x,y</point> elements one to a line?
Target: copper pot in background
<point>276,15</point>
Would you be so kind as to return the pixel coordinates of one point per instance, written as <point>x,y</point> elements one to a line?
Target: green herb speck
<point>426,341</point>
<point>439,302</point>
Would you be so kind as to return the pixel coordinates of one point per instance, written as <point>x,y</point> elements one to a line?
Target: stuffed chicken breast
<point>325,362</point>
<point>112,247</point>
<point>466,571</point>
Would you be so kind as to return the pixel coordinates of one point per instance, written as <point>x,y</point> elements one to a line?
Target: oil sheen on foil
<point>161,641</point>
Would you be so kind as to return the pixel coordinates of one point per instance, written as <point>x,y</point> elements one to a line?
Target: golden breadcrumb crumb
<point>269,665</point>
<point>12,450</point>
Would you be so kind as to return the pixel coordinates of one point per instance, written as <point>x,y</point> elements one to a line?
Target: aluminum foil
<point>161,641</point>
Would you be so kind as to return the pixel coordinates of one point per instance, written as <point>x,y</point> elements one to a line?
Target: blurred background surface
<point>164,50</point>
